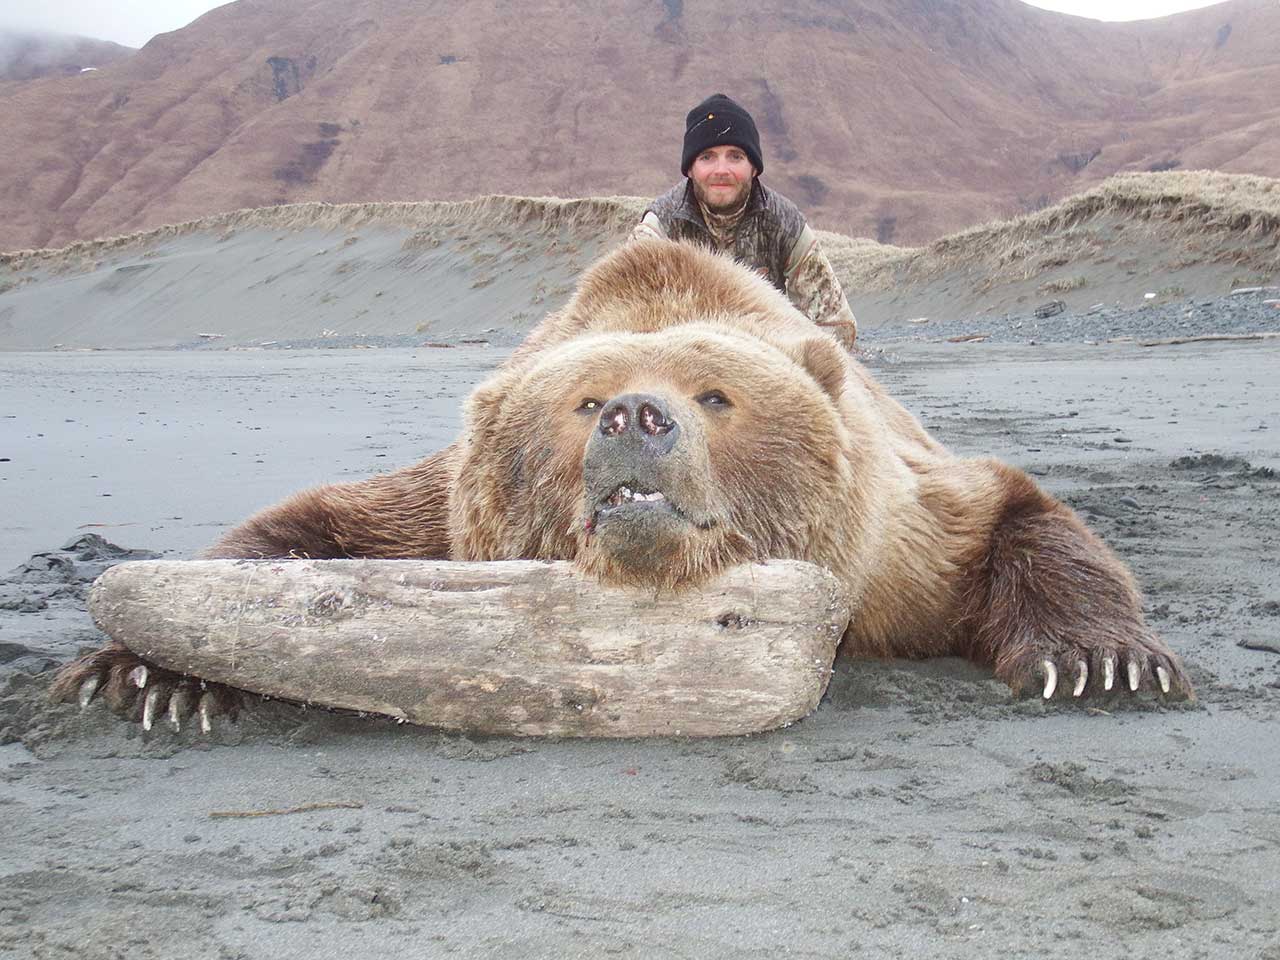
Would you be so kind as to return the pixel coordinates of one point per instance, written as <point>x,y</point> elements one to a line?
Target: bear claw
<point>181,706</point>
<point>1082,678</point>
<point>1050,679</point>
<point>150,703</point>
<point>87,691</point>
<point>1079,674</point>
<point>140,692</point>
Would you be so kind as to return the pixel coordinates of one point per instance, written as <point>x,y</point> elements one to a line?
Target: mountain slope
<point>898,120</point>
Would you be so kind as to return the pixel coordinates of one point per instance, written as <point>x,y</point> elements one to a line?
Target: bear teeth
<point>625,494</point>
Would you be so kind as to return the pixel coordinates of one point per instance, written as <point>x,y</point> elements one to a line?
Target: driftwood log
<point>1207,337</point>
<point>519,647</point>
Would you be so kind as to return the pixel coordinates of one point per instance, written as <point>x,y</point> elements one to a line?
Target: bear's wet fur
<point>679,416</point>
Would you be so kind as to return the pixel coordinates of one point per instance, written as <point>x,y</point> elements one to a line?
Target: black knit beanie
<point>718,121</point>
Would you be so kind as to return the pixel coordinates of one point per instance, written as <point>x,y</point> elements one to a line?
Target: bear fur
<point>678,416</point>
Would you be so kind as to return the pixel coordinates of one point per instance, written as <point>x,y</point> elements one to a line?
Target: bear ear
<point>825,361</point>
<point>482,407</point>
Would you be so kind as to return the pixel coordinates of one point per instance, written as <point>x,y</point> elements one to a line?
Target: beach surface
<point>919,812</point>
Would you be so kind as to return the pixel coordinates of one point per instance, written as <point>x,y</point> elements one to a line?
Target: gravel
<point>1256,312</point>
<point>1239,314</point>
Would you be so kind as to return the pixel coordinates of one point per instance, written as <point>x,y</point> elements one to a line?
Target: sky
<point>134,22</point>
<point>1119,9</point>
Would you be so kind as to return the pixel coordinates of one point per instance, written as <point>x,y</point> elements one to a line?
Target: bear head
<point>656,458</point>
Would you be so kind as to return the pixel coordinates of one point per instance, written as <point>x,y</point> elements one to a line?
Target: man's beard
<point>732,205</point>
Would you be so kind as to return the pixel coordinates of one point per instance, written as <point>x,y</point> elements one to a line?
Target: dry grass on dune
<point>543,214</point>
<point>1213,216</point>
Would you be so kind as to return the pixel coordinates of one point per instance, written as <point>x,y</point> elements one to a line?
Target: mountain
<point>27,55</point>
<point>894,119</point>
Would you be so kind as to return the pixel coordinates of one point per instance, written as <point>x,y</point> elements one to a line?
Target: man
<point>722,204</point>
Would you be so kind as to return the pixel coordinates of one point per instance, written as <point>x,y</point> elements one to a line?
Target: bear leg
<point>404,514</point>
<point>399,515</point>
<point>1052,606</point>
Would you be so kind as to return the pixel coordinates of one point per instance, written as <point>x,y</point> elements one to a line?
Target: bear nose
<point>639,415</point>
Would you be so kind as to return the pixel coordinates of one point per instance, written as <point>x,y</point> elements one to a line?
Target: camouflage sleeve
<point>649,228</point>
<point>812,286</point>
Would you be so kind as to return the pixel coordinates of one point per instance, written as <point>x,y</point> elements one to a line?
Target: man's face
<point>722,177</point>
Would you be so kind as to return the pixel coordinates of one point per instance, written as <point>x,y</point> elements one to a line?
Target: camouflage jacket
<point>772,238</point>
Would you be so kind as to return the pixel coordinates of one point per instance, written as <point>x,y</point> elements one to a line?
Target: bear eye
<point>589,404</point>
<point>714,398</point>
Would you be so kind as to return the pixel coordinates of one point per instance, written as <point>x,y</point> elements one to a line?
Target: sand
<point>920,812</point>
<point>89,435</point>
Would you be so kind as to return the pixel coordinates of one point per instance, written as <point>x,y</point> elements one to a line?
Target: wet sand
<point>920,812</point>
<point>165,449</point>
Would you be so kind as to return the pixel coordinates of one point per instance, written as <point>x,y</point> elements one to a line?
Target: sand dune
<point>489,268</point>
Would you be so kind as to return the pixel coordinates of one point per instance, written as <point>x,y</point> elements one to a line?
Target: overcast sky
<point>1119,9</point>
<point>134,22</point>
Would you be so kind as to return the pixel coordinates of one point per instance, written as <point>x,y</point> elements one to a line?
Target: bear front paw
<point>1070,671</point>
<point>141,692</point>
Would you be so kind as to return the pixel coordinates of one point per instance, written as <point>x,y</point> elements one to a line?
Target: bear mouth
<point>624,494</point>
<point>634,500</point>
<point>627,497</point>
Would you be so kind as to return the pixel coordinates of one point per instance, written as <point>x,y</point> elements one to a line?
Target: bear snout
<point>637,445</point>
<point>642,471</point>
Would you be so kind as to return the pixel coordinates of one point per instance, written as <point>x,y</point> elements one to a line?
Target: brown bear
<point>679,416</point>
